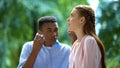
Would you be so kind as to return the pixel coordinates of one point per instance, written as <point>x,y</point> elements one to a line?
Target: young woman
<point>88,50</point>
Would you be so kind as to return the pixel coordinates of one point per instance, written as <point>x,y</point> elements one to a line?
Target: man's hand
<point>38,41</point>
<point>37,45</point>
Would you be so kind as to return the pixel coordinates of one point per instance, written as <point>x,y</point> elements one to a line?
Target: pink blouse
<point>85,54</point>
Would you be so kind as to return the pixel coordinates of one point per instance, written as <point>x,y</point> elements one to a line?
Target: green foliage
<point>113,63</point>
<point>110,24</point>
<point>110,31</point>
<point>15,28</point>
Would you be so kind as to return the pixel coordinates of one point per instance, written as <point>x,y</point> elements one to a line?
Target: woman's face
<point>73,20</point>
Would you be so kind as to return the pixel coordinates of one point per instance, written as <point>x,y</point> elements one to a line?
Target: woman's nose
<point>68,19</point>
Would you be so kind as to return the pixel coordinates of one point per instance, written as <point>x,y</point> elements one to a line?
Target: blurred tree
<point>110,30</point>
<point>15,29</point>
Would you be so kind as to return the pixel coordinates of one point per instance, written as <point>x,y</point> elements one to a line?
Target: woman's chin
<point>69,30</point>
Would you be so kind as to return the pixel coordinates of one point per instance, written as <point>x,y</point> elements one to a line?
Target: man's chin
<point>50,42</point>
<point>53,40</point>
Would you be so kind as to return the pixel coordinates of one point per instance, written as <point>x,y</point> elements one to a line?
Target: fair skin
<point>73,36</point>
<point>50,35</point>
<point>76,23</point>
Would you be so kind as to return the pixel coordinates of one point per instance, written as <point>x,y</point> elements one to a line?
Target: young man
<point>45,51</point>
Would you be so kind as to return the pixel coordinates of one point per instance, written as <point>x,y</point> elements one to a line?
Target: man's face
<point>50,32</point>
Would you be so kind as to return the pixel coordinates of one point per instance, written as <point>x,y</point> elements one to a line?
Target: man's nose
<point>54,33</point>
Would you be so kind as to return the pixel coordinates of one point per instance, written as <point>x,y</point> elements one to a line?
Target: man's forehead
<point>50,25</point>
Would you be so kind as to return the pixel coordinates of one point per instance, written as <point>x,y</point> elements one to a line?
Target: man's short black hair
<point>46,19</point>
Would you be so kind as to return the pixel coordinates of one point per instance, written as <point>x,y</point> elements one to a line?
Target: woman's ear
<point>82,19</point>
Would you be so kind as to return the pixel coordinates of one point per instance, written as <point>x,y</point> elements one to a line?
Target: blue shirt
<point>56,57</point>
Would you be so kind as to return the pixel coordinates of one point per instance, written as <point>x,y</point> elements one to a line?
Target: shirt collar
<point>56,44</point>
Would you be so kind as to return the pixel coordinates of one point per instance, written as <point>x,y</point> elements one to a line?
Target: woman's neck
<point>80,34</point>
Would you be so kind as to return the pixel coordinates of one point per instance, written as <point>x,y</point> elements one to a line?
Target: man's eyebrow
<point>48,28</point>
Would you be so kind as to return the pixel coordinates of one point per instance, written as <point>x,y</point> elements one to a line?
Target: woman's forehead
<point>75,12</point>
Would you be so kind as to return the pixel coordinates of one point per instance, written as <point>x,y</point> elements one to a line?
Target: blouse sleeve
<point>92,55</point>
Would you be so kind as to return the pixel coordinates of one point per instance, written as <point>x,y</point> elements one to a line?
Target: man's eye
<point>56,30</point>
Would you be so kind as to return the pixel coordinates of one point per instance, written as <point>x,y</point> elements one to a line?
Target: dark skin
<point>50,34</point>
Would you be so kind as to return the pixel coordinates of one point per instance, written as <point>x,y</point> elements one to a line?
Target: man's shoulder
<point>66,46</point>
<point>27,44</point>
<point>65,49</point>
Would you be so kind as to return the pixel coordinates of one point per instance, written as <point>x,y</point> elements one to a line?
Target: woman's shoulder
<point>89,39</point>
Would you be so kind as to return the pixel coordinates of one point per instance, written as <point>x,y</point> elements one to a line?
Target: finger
<point>40,35</point>
<point>36,37</point>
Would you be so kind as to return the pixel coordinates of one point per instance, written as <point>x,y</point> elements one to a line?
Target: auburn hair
<point>89,27</point>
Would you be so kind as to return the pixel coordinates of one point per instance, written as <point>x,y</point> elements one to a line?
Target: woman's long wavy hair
<point>89,27</point>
